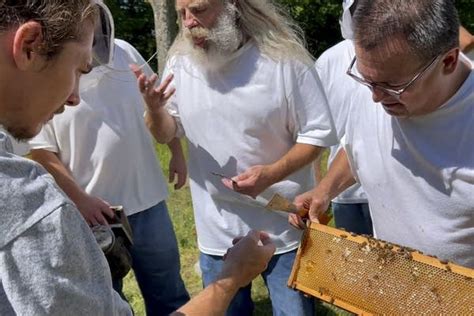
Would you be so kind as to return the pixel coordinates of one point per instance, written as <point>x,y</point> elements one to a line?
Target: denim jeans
<point>156,262</point>
<point>285,301</point>
<point>353,217</point>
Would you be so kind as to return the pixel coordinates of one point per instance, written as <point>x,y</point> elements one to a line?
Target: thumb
<point>314,213</point>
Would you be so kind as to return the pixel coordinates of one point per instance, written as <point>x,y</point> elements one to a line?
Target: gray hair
<point>269,26</point>
<point>62,20</point>
<point>429,27</point>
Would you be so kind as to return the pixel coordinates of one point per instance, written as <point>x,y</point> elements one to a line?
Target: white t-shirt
<point>104,140</point>
<point>418,174</point>
<point>249,113</point>
<point>339,88</point>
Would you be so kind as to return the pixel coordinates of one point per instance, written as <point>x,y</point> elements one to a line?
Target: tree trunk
<point>166,28</point>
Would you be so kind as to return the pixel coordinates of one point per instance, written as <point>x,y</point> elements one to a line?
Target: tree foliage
<point>318,18</point>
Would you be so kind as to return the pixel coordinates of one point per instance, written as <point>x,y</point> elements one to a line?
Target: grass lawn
<point>180,207</point>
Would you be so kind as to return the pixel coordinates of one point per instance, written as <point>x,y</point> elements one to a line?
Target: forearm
<point>51,162</point>
<point>175,147</point>
<point>161,125</point>
<point>297,157</point>
<point>338,178</point>
<point>213,300</point>
<point>318,168</point>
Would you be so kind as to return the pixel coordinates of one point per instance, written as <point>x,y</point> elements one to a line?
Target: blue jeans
<point>353,217</point>
<point>285,301</point>
<point>156,262</point>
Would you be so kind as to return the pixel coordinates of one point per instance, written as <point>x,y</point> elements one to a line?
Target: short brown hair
<point>430,27</point>
<point>61,20</point>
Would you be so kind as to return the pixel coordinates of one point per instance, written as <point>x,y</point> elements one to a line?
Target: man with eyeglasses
<point>413,152</point>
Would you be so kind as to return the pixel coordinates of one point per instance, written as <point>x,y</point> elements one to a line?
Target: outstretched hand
<point>155,98</point>
<point>247,258</point>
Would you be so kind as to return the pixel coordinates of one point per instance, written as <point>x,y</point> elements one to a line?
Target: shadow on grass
<point>263,307</point>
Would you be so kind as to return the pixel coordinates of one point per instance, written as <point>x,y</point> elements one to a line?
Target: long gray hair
<point>276,35</point>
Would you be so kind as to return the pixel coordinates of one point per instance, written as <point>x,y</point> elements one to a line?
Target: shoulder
<point>28,194</point>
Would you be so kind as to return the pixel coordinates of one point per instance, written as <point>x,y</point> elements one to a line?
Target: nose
<point>189,20</point>
<point>74,98</point>
<point>378,95</point>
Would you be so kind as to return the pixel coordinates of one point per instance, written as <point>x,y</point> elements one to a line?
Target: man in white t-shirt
<point>413,153</point>
<point>350,208</point>
<point>101,153</point>
<point>250,104</point>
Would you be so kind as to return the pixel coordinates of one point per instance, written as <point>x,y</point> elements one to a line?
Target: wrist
<point>156,112</point>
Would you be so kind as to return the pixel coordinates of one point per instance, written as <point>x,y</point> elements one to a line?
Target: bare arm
<point>318,168</point>
<point>177,164</point>
<point>257,178</point>
<point>338,178</point>
<point>242,263</point>
<point>160,123</point>
<point>92,208</point>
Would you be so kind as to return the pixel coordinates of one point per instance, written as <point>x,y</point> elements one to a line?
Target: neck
<point>458,77</point>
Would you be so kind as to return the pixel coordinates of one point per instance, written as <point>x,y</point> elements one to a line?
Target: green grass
<point>180,207</point>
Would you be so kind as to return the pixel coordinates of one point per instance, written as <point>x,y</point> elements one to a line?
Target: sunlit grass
<point>180,207</point>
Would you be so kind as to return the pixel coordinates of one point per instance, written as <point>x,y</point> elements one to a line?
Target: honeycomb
<point>368,276</point>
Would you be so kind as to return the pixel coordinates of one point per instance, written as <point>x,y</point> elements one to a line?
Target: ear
<point>450,61</point>
<point>27,43</point>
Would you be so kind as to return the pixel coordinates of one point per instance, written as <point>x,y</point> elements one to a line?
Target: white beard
<point>221,41</point>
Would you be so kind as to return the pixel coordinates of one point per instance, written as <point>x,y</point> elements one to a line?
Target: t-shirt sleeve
<point>57,268</point>
<point>172,104</point>
<point>310,117</point>
<point>46,139</point>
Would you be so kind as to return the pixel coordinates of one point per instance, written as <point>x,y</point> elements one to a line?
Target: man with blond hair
<point>252,108</point>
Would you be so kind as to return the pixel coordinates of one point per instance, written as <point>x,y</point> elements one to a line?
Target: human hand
<point>155,98</point>
<point>316,203</point>
<point>252,181</point>
<point>177,171</point>
<point>247,258</point>
<point>93,210</point>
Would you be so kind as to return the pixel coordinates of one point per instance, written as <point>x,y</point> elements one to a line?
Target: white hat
<point>346,20</point>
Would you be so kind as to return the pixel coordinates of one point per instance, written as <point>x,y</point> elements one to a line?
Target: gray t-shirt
<point>50,263</point>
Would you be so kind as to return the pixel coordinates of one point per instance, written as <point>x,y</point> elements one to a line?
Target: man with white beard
<point>247,97</point>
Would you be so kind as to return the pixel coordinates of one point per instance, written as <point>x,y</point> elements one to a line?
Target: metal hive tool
<point>367,276</point>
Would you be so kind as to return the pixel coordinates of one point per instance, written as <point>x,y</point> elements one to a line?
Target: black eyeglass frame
<point>393,92</point>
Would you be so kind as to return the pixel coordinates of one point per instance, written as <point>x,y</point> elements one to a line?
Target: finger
<point>228,183</point>
<point>171,176</point>
<point>253,235</point>
<point>265,238</point>
<point>142,83</point>
<point>314,214</point>
<point>169,93</point>
<point>152,80</point>
<point>101,220</point>
<point>181,181</point>
<point>296,221</point>
<point>93,222</point>
<point>236,240</point>
<point>108,211</point>
<point>136,70</point>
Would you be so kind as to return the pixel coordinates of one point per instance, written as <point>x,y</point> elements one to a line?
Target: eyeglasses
<point>390,91</point>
